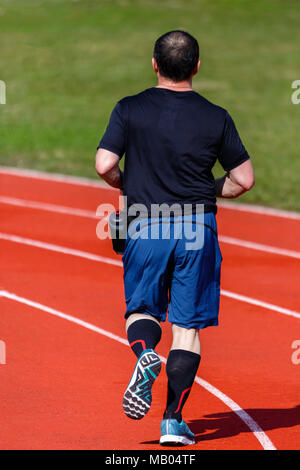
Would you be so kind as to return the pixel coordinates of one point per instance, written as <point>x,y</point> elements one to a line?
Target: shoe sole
<point>169,439</point>
<point>138,397</point>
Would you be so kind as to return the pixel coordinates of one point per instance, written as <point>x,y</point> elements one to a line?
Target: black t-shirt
<point>171,140</point>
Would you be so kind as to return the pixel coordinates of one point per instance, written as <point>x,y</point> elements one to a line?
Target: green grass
<point>66,63</point>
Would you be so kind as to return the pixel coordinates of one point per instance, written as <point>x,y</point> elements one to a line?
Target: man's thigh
<point>195,288</point>
<point>147,276</point>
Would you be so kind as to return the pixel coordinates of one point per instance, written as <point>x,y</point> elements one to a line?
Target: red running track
<point>63,382</point>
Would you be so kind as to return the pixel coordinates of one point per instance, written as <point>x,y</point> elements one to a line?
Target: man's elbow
<point>243,176</point>
<point>105,161</point>
<point>248,183</point>
<point>100,167</point>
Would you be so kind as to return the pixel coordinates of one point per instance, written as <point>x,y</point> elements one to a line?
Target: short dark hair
<point>176,54</point>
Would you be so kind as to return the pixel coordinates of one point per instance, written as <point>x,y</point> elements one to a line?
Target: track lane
<point>59,387</point>
<point>276,416</point>
<point>259,228</point>
<point>265,276</point>
<point>232,374</point>
<point>67,389</point>
<point>73,211</point>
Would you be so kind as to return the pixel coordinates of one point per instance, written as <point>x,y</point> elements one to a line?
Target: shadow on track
<point>224,425</point>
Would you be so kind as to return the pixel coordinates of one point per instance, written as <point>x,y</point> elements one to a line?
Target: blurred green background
<point>67,62</point>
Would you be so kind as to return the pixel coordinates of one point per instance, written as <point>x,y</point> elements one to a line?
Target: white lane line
<point>102,259</point>
<point>55,177</point>
<point>59,249</point>
<point>260,435</point>
<point>77,180</point>
<point>52,311</point>
<point>259,247</point>
<point>242,414</point>
<point>48,207</point>
<point>255,209</point>
<point>260,303</point>
<point>90,214</point>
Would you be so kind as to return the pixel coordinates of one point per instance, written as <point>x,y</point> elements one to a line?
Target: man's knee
<point>186,338</point>
<point>139,316</point>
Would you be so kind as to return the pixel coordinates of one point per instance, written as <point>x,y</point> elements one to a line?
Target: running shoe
<point>175,433</point>
<point>138,397</point>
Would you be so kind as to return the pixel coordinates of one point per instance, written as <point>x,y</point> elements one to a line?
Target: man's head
<point>176,55</point>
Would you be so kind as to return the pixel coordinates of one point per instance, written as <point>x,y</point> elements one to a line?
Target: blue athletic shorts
<point>174,275</point>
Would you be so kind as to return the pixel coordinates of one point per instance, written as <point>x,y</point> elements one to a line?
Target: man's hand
<point>107,166</point>
<point>236,182</point>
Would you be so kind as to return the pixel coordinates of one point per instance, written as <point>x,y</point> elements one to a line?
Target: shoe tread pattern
<point>138,397</point>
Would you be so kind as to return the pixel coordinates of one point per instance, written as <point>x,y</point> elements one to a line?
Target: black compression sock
<point>143,334</point>
<point>181,370</point>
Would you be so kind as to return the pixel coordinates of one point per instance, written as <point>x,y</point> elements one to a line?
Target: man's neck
<point>185,85</point>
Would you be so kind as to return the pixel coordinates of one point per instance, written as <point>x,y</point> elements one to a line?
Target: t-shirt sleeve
<point>114,137</point>
<point>232,151</point>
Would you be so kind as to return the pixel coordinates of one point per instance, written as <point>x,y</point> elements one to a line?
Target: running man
<point>172,137</point>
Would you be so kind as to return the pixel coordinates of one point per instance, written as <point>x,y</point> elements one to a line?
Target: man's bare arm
<point>107,166</point>
<point>236,182</point>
